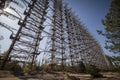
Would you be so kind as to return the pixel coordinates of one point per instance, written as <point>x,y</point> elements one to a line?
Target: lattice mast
<point>82,46</point>
<point>69,42</point>
<point>57,37</point>
<point>25,43</point>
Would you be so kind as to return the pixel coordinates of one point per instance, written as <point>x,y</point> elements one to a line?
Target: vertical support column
<point>25,44</point>
<point>14,40</point>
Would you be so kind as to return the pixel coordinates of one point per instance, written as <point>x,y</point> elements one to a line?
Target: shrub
<point>82,68</point>
<point>26,69</point>
<point>94,71</point>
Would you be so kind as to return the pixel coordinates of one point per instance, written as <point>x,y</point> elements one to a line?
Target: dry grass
<point>6,75</point>
<point>9,78</point>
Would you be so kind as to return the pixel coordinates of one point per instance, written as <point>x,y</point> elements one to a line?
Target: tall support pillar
<point>25,44</point>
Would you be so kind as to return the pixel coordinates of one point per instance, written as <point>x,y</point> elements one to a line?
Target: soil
<point>6,75</point>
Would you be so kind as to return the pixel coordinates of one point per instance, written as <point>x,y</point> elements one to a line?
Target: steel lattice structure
<point>69,42</point>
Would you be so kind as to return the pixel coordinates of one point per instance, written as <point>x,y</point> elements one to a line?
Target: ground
<point>6,75</point>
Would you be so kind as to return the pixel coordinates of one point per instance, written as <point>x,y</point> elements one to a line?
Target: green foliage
<point>17,70</point>
<point>4,53</point>
<point>114,63</point>
<point>94,71</point>
<point>82,68</point>
<point>26,69</point>
<point>14,67</point>
<point>45,67</point>
<point>112,27</point>
<point>68,68</point>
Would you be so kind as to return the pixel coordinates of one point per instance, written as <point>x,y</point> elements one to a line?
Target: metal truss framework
<point>68,40</point>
